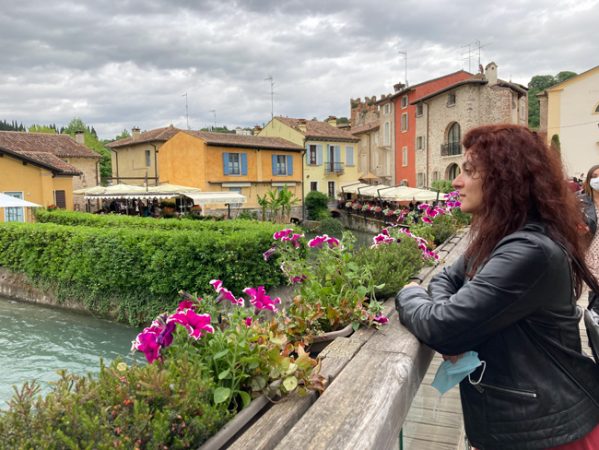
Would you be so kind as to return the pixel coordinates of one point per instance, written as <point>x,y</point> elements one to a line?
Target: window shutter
<point>61,200</point>
<point>307,154</point>
<point>226,163</point>
<point>274,164</point>
<point>319,155</point>
<point>289,165</point>
<point>337,153</point>
<point>349,155</point>
<point>244,164</point>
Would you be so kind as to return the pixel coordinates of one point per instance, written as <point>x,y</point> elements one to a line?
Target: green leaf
<point>355,326</point>
<point>290,383</point>
<point>220,354</point>
<point>245,398</point>
<point>380,286</point>
<point>224,374</point>
<point>221,394</point>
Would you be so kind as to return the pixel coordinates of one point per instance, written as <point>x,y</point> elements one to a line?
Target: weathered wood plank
<point>422,444</point>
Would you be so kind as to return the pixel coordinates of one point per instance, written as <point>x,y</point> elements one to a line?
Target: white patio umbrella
<point>7,201</point>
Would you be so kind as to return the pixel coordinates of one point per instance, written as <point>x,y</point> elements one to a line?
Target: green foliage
<point>330,226</point>
<point>124,135</point>
<point>247,215</point>
<point>49,129</point>
<point>152,406</point>
<point>316,202</point>
<point>443,186</point>
<point>537,84</point>
<point>134,273</point>
<point>391,265</point>
<point>13,126</point>
<point>278,203</point>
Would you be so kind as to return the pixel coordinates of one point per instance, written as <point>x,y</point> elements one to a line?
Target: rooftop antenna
<point>213,111</point>
<point>272,96</point>
<point>405,56</point>
<point>186,110</point>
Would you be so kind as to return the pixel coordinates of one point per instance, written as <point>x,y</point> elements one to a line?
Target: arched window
<point>453,171</point>
<point>597,108</point>
<point>452,147</point>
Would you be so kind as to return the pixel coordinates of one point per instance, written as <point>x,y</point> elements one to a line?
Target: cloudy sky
<point>125,63</point>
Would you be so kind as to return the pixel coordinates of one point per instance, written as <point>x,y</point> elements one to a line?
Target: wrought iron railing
<point>451,149</point>
<point>333,167</point>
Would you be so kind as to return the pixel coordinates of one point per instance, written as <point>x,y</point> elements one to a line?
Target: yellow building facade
<point>330,153</point>
<point>214,162</point>
<point>42,179</point>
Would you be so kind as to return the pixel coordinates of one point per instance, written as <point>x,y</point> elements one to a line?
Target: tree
<point>91,141</point>
<point>537,84</point>
<point>42,129</point>
<point>124,135</point>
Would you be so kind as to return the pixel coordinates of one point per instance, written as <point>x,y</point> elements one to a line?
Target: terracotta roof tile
<point>44,159</point>
<point>317,130</point>
<point>240,140</point>
<point>61,145</point>
<point>157,135</point>
<point>365,128</point>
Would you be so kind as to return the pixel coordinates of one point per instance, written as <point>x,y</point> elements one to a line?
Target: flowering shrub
<point>331,289</point>
<point>245,351</point>
<point>440,222</point>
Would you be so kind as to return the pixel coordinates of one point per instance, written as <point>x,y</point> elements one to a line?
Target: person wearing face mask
<point>510,299</point>
<point>589,197</point>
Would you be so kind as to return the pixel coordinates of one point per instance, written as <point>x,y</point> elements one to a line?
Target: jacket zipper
<point>481,388</point>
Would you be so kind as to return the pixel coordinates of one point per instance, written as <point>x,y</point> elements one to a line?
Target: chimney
<point>398,87</point>
<point>491,73</point>
<point>302,125</point>
<point>135,132</point>
<point>331,120</point>
<point>79,137</point>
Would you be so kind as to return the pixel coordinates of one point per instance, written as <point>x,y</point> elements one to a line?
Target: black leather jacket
<point>524,401</point>
<point>589,211</point>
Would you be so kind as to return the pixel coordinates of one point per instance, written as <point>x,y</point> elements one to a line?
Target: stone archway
<point>452,171</point>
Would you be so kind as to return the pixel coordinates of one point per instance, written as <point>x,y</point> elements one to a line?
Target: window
<point>435,175</point>
<point>16,214</point>
<point>387,108</point>
<point>404,156</point>
<point>404,101</point>
<point>313,186</point>
<point>349,155</point>
<point>419,109</point>
<point>281,164</point>
<point>235,163</point>
<point>60,199</point>
<point>148,158</point>
<point>404,122</point>
<point>420,179</point>
<point>387,134</point>
<point>597,109</point>
<point>331,189</point>
<point>451,99</point>
<point>312,155</point>
<point>420,143</point>
<point>453,171</point>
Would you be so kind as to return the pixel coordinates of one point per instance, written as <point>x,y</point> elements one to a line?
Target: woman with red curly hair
<point>511,298</point>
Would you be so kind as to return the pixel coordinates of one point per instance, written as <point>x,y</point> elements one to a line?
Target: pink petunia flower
<point>281,234</point>
<point>224,293</point>
<point>146,342</point>
<point>381,319</point>
<point>260,300</point>
<point>248,321</point>
<point>268,253</point>
<point>186,304</point>
<point>194,323</point>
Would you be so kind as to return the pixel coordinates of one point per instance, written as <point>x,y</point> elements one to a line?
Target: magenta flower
<point>381,319</point>
<point>260,300</point>
<point>281,234</point>
<point>298,279</point>
<point>224,293</point>
<point>146,342</point>
<point>194,323</point>
<point>427,219</point>
<point>317,241</point>
<point>216,284</point>
<point>294,239</point>
<point>268,253</point>
<point>248,321</point>
<point>186,304</point>
<point>382,239</point>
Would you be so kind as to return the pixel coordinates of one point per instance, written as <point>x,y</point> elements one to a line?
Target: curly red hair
<point>522,178</point>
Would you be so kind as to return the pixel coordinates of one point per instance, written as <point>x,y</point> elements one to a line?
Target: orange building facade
<point>405,122</point>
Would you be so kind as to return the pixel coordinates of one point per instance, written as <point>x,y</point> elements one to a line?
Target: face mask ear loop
<point>474,383</point>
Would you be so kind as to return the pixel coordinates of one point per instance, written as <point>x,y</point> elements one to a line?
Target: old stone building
<point>446,115</point>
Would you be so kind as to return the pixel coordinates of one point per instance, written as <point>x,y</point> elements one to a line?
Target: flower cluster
<point>319,241</point>
<point>260,300</point>
<point>452,200</point>
<point>385,238</point>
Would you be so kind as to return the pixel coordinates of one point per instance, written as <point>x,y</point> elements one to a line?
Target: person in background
<point>514,287</point>
<point>589,198</point>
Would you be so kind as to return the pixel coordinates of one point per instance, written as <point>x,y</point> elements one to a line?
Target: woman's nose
<point>457,181</point>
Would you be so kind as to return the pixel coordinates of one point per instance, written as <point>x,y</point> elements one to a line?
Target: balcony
<point>333,167</point>
<point>451,149</point>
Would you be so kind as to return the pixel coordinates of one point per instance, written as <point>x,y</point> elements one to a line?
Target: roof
<point>409,88</point>
<point>245,141</point>
<point>61,145</point>
<point>365,128</point>
<point>316,130</point>
<point>570,80</point>
<point>157,135</point>
<point>43,159</point>
<point>478,81</point>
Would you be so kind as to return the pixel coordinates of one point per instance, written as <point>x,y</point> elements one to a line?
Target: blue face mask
<point>449,374</point>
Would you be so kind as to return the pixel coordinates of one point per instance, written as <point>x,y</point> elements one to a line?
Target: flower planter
<point>318,343</point>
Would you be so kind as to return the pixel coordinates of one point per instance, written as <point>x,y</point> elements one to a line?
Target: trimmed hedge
<point>134,274</point>
<point>119,221</point>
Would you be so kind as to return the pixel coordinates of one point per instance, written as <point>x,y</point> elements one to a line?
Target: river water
<point>36,341</point>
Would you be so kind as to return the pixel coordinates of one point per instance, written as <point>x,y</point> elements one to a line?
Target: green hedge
<point>133,274</point>
<point>121,221</point>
